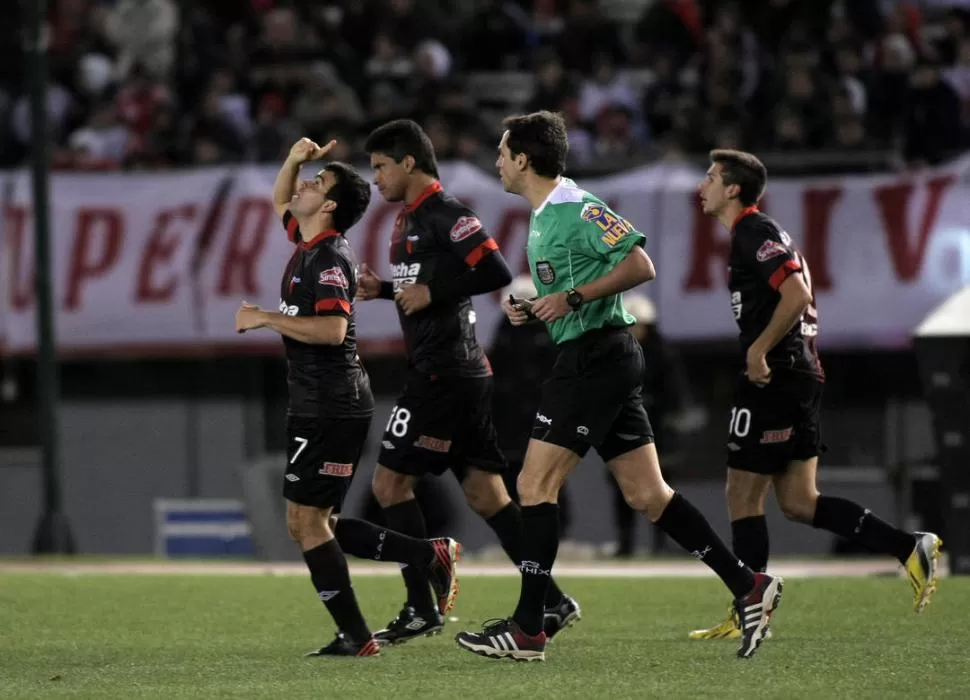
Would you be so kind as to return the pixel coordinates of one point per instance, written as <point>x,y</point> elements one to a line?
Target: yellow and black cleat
<point>921,568</point>
<point>729,629</point>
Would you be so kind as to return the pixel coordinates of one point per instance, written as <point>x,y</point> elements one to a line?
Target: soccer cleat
<point>921,568</point>
<point>410,624</point>
<point>754,611</point>
<point>342,645</point>
<point>559,617</point>
<point>443,572</point>
<point>729,629</point>
<point>504,639</point>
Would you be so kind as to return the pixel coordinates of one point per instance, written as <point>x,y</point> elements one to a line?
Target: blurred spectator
<point>143,31</point>
<point>216,81</point>
<point>931,122</point>
<point>103,143</point>
<point>495,37</point>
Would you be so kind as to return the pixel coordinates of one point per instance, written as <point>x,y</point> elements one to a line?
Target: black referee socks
<point>540,544</point>
<point>690,529</point>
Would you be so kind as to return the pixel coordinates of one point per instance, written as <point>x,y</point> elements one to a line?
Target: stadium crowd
<point>162,83</point>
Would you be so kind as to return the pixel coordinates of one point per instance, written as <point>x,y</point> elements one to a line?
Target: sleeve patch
<point>770,249</point>
<point>464,227</point>
<point>614,227</point>
<point>334,277</point>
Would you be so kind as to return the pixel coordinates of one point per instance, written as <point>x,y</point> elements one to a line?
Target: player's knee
<point>390,488</point>
<point>650,502</point>
<point>743,501</point>
<point>799,506</point>
<point>485,493</point>
<point>306,522</point>
<point>536,486</point>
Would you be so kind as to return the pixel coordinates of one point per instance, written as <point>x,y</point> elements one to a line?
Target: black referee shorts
<point>592,397</point>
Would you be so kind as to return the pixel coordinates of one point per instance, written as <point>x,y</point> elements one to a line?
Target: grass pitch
<point>222,636</point>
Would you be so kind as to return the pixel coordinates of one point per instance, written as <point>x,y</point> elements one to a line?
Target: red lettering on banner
<point>893,204</point>
<point>162,244</point>
<point>817,207</point>
<point>247,238</point>
<point>372,234</point>
<point>106,224</point>
<point>21,280</point>
<point>706,245</point>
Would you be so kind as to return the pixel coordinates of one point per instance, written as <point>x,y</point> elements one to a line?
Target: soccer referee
<point>583,256</point>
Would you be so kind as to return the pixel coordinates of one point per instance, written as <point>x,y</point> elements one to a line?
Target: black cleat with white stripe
<point>504,639</point>
<point>559,617</point>
<point>410,624</point>
<point>754,611</point>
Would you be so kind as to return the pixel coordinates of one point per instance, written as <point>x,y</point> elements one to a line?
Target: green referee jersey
<point>574,238</point>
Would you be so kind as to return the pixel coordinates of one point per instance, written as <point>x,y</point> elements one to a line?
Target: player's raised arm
<point>302,151</point>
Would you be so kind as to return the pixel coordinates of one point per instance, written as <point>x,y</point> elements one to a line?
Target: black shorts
<point>592,397</point>
<point>321,459</point>
<point>442,423</point>
<point>772,425</point>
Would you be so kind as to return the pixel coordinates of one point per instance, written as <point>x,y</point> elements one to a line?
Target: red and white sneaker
<point>504,639</point>
<point>443,572</point>
<point>754,612</point>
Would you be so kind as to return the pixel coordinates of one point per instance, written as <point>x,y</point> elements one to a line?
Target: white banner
<point>158,263</point>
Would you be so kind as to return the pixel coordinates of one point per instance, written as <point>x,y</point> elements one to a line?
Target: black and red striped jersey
<point>321,280</point>
<point>436,239</point>
<point>762,258</point>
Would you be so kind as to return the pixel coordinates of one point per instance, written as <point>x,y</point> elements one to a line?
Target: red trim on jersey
<point>332,305</point>
<point>292,228</point>
<point>782,273</point>
<point>431,189</point>
<point>330,233</point>
<point>480,251</point>
<point>753,209</point>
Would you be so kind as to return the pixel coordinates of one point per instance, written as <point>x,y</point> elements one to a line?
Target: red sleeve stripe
<point>781,274</point>
<point>333,305</point>
<point>480,251</point>
<point>292,229</point>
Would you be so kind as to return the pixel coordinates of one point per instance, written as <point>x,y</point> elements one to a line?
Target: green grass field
<point>213,637</point>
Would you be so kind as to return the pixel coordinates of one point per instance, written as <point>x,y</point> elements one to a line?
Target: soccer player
<point>583,256</point>
<point>440,257</point>
<point>330,401</point>
<point>773,437</point>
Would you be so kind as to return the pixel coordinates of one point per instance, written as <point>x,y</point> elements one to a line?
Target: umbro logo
<point>415,624</point>
<point>328,595</point>
<point>292,477</point>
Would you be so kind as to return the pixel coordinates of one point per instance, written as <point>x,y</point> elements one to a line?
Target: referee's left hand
<point>551,308</point>
<point>413,297</point>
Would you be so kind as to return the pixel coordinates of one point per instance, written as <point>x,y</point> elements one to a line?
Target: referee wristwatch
<point>574,299</point>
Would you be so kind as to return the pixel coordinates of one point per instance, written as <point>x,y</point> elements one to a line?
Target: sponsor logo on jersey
<point>785,238</point>
<point>291,310</point>
<point>337,469</point>
<point>334,277</point>
<point>464,227</point>
<point>771,437</point>
<point>770,249</point>
<point>404,274</point>
<point>433,444</point>
<point>614,228</point>
<point>545,272</point>
<point>736,305</point>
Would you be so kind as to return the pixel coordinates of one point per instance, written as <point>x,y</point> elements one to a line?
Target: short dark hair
<point>744,170</point>
<point>351,193</point>
<point>543,138</point>
<point>400,138</point>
